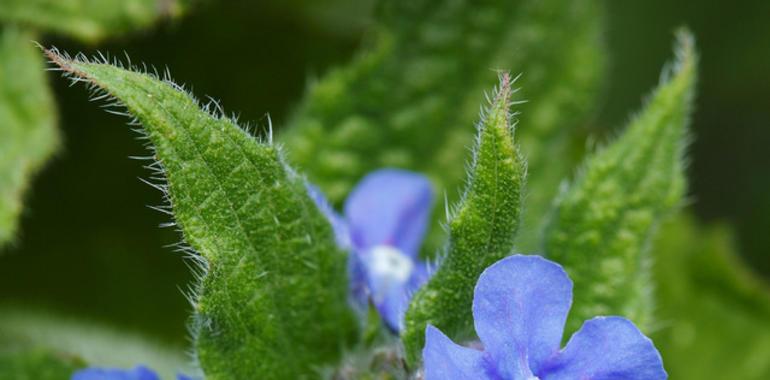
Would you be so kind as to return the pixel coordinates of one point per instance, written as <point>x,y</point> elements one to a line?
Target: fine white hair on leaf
<point>269,130</point>
<point>446,206</point>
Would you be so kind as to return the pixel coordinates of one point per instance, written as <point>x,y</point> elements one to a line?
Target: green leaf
<point>36,364</point>
<point>481,230</point>
<point>28,134</point>
<point>88,20</point>
<point>410,100</point>
<point>273,294</point>
<point>713,311</point>
<point>31,332</point>
<point>601,225</point>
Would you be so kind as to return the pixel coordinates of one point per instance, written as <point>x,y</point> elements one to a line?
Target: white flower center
<point>390,264</point>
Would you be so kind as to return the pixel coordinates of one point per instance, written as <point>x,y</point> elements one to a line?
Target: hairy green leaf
<point>28,134</point>
<point>481,231</point>
<point>713,311</point>
<point>602,223</point>
<point>272,300</point>
<point>89,20</point>
<point>411,99</point>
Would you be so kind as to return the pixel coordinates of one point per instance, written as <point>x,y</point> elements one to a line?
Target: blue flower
<point>137,373</point>
<point>520,305</point>
<point>383,225</point>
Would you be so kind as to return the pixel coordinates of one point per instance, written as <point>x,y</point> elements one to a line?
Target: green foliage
<point>28,133</point>
<point>36,364</point>
<point>713,311</point>
<point>410,100</point>
<point>29,334</point>
<point>562,64</point>
<point>272,292</point>
<point>88,20</point>
<point>602,223</point>
<point>481,231</point>
<point>272,297</point>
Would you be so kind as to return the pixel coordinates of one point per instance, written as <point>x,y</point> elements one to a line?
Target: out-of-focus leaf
<point>410,101</point>
<point>28,134</point>
<point>713,313</point>
<point>341,17</point>
<point>481,231</point>
<point>36,364</point>
<point>30,336</point>
<point>89,20</point>
<point>602,223</point>
<point>272,300</point>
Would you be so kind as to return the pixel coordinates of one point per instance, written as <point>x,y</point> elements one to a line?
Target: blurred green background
<point>89,247</point>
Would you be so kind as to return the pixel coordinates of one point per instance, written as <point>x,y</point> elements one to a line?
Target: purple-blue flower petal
<point>356,272</point>
<point>339,226</point>
<point>358,283</point>
<point>607,348</point>
<point>445,360</point>
<point>137,373</point>
<point>391,296</point>
<point>384,224</point>
<point>389,207</point>
<point>520,306</point>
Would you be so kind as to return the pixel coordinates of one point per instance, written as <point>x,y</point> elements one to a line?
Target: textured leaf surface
<point>28,133</point>
<point>602,223</point>
<point>35,334</point>
<point>410,100</point>
<point>713,311</point>
<point>272,299</point>
<point>89,20</point>
<point>481,231</point>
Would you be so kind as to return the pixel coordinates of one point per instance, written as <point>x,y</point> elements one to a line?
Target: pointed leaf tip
<point>601,225</point>
<point>273,297</point>
<point>419,85</point>
<point>481,230</point>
